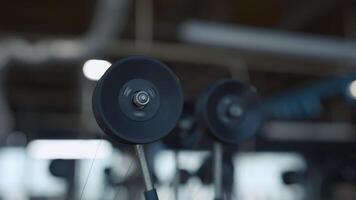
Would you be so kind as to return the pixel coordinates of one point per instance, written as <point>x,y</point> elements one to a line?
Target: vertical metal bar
<point>313,182</point>
<point>144,167</point>
<point>217,160</point>
<point>177,175</point>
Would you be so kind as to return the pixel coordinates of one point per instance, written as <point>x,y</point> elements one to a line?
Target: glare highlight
<point>95,69</point>
<point>352,89</point>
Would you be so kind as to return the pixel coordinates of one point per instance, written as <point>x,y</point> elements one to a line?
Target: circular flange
<point>138,100</point>
<point>230,109</point>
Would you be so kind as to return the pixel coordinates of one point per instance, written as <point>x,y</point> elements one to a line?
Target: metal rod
<point>144,167</point>
<point>217,160</point>
<point>177,175</point>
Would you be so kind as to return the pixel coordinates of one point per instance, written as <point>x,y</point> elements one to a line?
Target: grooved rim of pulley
<point>239,129</point>
<point>109,113</point>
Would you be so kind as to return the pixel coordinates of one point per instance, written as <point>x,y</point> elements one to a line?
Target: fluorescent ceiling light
<point>69,149</point>
<point>352,89</point>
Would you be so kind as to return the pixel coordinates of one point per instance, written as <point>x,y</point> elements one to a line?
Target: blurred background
<point>299,55</point>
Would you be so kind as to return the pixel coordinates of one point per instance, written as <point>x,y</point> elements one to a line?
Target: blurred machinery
<point>269,92</point>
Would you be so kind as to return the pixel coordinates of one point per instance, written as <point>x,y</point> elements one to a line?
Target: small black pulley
<point>137,101</point>
<point>230,110</point>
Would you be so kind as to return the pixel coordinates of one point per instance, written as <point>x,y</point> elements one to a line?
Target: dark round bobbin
<point>230,110</point>
<point>138,100</point>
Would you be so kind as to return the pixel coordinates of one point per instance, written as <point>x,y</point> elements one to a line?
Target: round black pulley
<point>138,100</point>
<point>230,110</point>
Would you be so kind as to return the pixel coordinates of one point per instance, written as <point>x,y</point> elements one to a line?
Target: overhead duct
<point>257,40</point>
<point>108,21</point>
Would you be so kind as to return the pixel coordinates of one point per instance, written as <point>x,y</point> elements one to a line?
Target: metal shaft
<point>177,175</point>
<point>217,160</point>
<point>144,167</point>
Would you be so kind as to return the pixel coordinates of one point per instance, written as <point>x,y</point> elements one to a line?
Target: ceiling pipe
<point>262,41</point>
<point>108,21</point>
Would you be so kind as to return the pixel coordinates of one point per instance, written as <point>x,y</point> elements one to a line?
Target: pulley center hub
<point>235,111</point>
<point>141,99</point>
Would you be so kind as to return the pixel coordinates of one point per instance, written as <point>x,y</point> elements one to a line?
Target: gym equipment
<point>138,101</point>
<point>230,111</point>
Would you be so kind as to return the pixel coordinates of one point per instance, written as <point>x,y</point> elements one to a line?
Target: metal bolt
<point>141,99</point>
